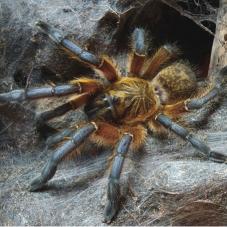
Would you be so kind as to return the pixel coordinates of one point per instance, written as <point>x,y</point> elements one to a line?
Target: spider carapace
<point>121,109</point>
<point>129,101</point>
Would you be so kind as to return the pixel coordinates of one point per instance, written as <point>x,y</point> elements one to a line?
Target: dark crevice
<point>164,25</point>
<point>19,78</point>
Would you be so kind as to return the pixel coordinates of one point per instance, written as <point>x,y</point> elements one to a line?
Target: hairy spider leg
<point>113,191</point>
<point>186,135</point>
<point>59,137</point>
<point>103,66</point>
<point>87,88</point>
<point>73,104</point>
<point>138,55</point>
<point>83,87</point>
<point>162,56</point>
<point>51,166</point>
<point>41,118</point>
<point>190,104</point>
<point>216,87</point>
<point>214,90</point>
<point>76,86</point>
<point>21,95</point>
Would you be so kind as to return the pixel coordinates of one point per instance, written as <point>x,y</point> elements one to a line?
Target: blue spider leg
<point>186,135</point>
<point>163,55</point>
<point>104,67</point>
<point>51,166</point>
<point>113,191</point>
<point>43,117</point>
<point>139,48</point>
<point>197,103</point>
<point>58,137</point>
<point>58,37</point>
<point>21,95</point>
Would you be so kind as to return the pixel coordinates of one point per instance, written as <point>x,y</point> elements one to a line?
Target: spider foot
<point>113,201</point>
<point>55,34</point>
<point>47,173</point>
<point>218,157</point>
<point>111,210</point>
<point>36,184</point>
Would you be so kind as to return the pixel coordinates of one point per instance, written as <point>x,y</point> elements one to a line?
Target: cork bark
<point>219,50</point>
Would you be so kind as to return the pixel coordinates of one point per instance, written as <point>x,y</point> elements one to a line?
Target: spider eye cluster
<point>133,97</point>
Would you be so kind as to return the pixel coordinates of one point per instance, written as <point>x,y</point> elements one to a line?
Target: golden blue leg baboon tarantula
<point>155,93</point>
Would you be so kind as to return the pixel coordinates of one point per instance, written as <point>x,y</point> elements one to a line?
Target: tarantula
<point>154,93</point>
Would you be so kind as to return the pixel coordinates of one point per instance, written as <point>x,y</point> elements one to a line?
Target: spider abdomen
<point>174,83</point>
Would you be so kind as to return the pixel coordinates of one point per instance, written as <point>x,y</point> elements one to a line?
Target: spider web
<point>202,12</point>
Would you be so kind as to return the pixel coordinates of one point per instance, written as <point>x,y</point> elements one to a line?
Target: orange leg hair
<point>136,62</point>
<point>176,109</point>
<point>163,55</point>
<point>156,129</point>
<point>88,87</point>
<point>108,135</point>
<point>182,107</point>
<point>107,69</point>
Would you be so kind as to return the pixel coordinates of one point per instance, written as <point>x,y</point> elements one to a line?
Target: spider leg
<point>51,166</point>
<point>74,103</point>
<point>197,103</point>
<point>113,191</point>
<point>76,87</point>
<point>190,104</point>
<point>47,115</point>
<point>58,37</point>
<point>36,93</point>
<point>102,65</point>
<point>186,135</point>
<point>215,91</point>
<point>137,57</point>
<point>58,137</point>
<point>163,55</point>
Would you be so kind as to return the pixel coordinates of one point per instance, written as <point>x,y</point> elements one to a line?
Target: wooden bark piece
<point>219,50</point>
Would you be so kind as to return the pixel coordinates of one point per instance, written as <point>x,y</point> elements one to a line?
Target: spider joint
<point>157,116</point>
<point>130,134</point>
<point>113,179</point>
<point>186,105</point>
<point>187,137</point>
<point>95,125</point>
<point>53,91</point>
<point>120,154</point>
<point>80,87</point>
